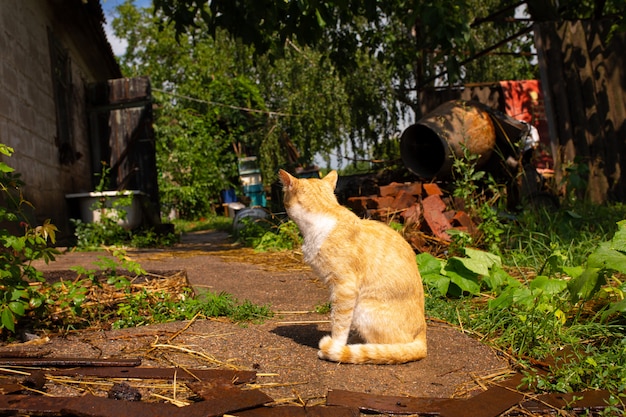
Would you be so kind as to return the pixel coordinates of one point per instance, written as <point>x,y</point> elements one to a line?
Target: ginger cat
<point>375,286</point>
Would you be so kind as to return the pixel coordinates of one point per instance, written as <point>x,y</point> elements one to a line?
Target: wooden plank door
<point>122,136</point>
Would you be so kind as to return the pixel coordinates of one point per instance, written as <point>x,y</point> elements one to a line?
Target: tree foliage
<point>217,100</point>
<point>416,40</point>
<point>420,42</point>
<point>262,77</point>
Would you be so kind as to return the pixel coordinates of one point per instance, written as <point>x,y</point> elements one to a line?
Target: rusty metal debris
<point>422,207</point>
<point>384,403</point>
<point>11,388</point>
<point>490,403</point>
<point>238,377</point>
<point>222,392</point>
<point>219,390</point>
<point>224,396</point>
<point>295,411</point>
<point>67,362</point>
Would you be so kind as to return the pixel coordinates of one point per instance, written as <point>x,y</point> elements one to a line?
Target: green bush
<point>21,244</point>
<point>269,235</point>
<point>579,308</point>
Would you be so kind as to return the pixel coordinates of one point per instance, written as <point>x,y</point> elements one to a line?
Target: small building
<point>54,63</point>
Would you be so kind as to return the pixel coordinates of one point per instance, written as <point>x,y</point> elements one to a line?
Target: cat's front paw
<point>329,348</point>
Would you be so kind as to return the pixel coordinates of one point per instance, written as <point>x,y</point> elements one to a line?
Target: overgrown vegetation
<point>546,284</point>
<point>269,235</point>
<point>108,229</point>
<point>116,293</point>
<point>21,245</point>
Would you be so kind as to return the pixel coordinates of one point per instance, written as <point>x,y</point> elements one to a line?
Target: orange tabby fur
<point>375,286</point>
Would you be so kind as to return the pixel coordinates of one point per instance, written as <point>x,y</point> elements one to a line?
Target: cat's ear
<point>331,178</point>
<point>287,180</point>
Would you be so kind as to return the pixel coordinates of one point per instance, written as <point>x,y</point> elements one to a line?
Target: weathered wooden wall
<point>122,134</point>
<point>583,73</point>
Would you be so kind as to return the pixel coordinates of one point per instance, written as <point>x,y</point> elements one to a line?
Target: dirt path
<point>282,350</point>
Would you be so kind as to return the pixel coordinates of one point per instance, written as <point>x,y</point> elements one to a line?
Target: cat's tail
<point>372,352</point>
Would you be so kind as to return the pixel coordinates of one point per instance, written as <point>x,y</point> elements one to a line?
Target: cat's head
<point>309,192</point>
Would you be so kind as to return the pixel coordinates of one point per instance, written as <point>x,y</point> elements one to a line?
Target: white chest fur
<point>315,228</point>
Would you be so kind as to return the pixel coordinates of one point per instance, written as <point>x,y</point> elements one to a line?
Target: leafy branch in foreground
<point>20,245</point>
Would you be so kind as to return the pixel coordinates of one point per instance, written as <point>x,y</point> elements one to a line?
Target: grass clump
<point>543,284</point>
<point>211,222</point>
<point>269,235</point>
<point>534,312</point>
<point>144,308</point>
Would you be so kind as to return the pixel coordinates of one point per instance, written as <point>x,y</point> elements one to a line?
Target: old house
<point>56,70</point>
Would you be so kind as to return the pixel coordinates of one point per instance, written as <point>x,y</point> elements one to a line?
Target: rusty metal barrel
<point>428,147</point>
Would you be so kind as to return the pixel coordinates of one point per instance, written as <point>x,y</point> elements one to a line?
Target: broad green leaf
<point>524,297</point>
<point>510,296</point>
<point>550,286</point>
<point>18,293</point>
<point>606,257</point>
<point>467,283</point>
<point>573,271</point>
<point>619,240</point>
<point>440,282</point>
<point>16,243</point>
<point>478,261</point>
<point>17,308</point>
<point>35,302</point>
<point>5,168</point>
<point>499,278</point>
<point>428,264</point>
<point>7,319</point>
<point>586,285</point>
<point>431,272</point>
<point>504,300</point>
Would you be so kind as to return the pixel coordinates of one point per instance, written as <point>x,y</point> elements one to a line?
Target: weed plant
<point>108,295</point>
<point>29,302</point>
<point>148,308</point>
<point>20,244</point>
<point>211,222</point>
<point>547,283</point>
<point>270,235</point>
<point>108,230</point>
<point>482,199</point>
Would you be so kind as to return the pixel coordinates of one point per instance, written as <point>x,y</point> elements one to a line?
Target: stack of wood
<point>420,206</point>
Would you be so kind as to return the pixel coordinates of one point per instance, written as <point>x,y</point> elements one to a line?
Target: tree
<point>418,43</point>
<point>202,96</point>
<point>217,100</point>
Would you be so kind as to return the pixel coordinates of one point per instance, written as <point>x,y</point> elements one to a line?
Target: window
<point>62,86</point>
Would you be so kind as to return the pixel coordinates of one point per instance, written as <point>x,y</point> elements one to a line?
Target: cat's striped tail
<point>372,352</point>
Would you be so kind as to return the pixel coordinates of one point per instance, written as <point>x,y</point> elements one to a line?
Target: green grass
<point>560,288</point>
<point>149,308</point>
<point>213,222</point>
<point>575,232</point>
